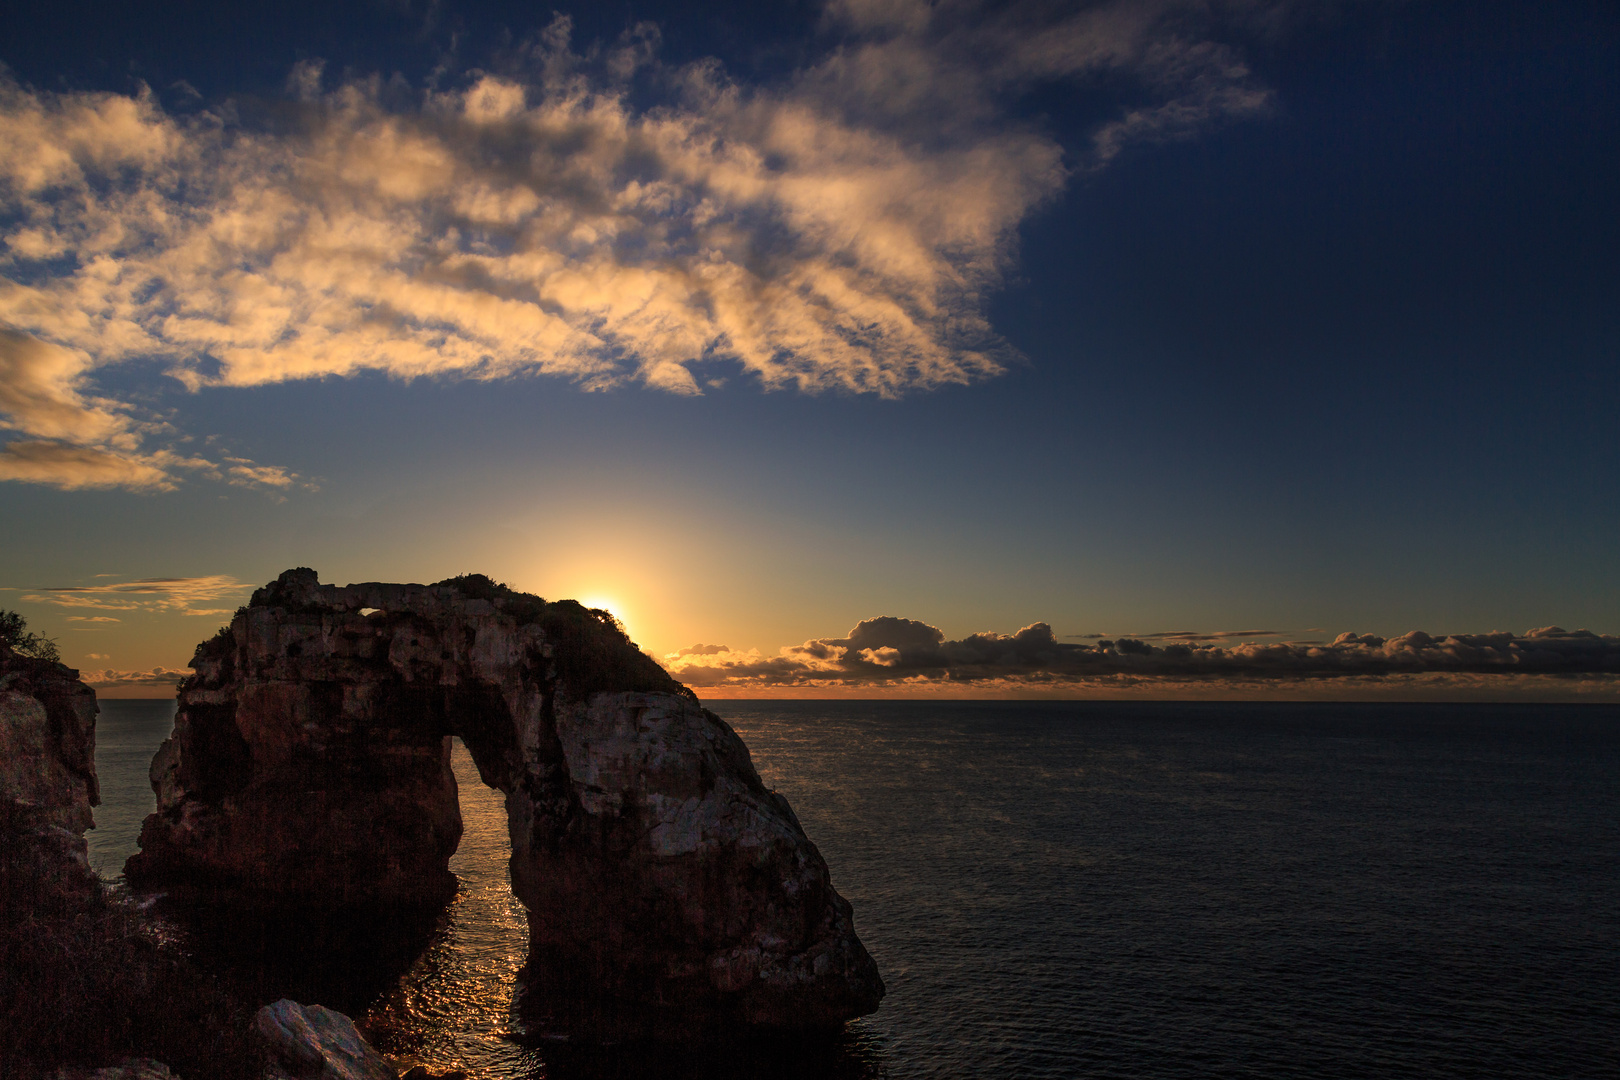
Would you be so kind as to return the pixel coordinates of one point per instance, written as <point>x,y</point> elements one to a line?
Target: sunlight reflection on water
<point>453,1008</point>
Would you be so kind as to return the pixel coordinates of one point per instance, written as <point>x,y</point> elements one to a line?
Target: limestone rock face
<point>316,1043</point>
<point>47,745</point>
<point>667,888</point>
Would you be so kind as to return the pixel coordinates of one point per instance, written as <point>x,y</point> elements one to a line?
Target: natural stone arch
<point>667,889</point>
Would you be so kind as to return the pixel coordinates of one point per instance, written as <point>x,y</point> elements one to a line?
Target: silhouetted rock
<point>47,780</point>
<point>310,1042</point>
<point>47,744</point>
<point>668,890</point>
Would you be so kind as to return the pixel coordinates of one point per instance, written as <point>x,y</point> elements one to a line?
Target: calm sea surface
<point>1119,890</point>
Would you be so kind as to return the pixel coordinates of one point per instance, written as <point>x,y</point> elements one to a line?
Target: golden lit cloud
<point>826,233</point>
<point>108,679</point>
<point>72,467</point>
<point>172,595</point>
<point>82,441</point>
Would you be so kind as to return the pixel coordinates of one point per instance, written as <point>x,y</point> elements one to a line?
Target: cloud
<point>840,229</point>
<point>959,61</point>
<point>703,650</point>
<point>75,468</point>
<point>904,655</point>
<point>172,595</point>
<point>1186,635</point>
<point>40,394</point>
<point>84,441</point>
<point>108,679</point>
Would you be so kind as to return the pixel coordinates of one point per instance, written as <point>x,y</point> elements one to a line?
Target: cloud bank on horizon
<point>838,230</point>
<point>902,656</point>
<point>107,679</point>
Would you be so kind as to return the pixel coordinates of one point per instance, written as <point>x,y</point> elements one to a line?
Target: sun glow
<point>597,600</point>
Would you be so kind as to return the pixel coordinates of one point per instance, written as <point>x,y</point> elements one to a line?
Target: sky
<point>868,347</point>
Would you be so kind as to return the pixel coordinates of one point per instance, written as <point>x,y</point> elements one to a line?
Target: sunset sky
<point>1226,322</point>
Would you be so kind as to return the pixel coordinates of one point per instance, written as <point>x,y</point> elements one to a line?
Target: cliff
<point>47,746</point>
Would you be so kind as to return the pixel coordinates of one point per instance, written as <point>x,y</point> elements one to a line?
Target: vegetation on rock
<point>589,645</point>
<point>15,634</point>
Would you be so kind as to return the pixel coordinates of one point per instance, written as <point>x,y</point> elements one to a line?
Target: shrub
<point>14,633</point>
<point>590,649</point>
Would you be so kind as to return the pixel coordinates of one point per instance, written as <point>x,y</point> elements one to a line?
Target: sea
<point>1103,889</point>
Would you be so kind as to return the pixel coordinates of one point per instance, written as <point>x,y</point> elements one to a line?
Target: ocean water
<point>1115,890</point>
<point>128,733</point>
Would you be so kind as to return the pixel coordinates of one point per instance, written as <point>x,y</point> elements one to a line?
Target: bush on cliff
<point>589,646</point>
<point>14,633</point>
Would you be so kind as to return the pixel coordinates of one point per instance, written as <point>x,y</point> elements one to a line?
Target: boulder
<point>422,1072</point>
<point>312,1042</point>
<point>668,890</point>
<point>128,1069</point>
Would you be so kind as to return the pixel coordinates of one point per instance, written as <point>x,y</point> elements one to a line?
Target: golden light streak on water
<point>453,1009</point>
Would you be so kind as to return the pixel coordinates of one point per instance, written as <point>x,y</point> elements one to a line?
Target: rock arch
<point>665,885</point>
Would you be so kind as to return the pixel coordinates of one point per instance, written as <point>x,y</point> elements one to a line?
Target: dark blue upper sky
<point>1345,358</point>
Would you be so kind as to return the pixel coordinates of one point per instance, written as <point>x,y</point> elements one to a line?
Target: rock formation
<point>47,759</point>
<point>311,1042</point>
<point>668,890</point>
<point>128,1069</point>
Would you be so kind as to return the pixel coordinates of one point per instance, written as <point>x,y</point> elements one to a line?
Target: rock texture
<point>316,1043</point>
<point>128,1069</point>
<point>47,745</point>
<point>668,890</point>
<point>47,777</point>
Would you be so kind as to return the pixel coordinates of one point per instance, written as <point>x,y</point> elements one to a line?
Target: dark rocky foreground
<point>88,987</point>
<point>669,892</point>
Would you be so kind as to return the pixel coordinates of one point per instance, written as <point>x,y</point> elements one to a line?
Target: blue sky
<point>1127,319</point>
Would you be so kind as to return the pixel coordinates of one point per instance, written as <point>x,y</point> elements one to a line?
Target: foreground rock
<point>47,745</point>
<point>310,1042</point>
<point>88,989</point>
<point>47,781</point>
<point>128,1069</point>
<point>668,891</point>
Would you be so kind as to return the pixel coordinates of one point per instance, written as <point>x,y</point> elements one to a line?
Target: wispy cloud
<point>82,441</point>
<point>903,655</point>
<point>957,61</point>
<point>171,595</point>
<point>837,230</point>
